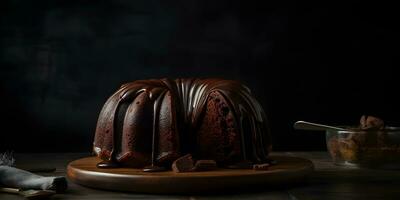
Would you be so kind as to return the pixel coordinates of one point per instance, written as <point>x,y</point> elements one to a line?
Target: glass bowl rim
<point>348,130</point>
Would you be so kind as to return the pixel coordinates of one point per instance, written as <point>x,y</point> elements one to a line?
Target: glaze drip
<point>189,99</point>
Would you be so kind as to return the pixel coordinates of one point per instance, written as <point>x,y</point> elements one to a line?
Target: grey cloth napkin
<point>18,178</point>
<point>21,179</point>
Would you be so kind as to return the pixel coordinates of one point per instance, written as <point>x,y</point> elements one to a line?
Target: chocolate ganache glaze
<point>153,122</point>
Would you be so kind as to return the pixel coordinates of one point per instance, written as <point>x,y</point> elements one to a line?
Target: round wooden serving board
<point>286,171</point>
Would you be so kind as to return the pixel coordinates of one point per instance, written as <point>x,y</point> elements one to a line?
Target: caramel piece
<point>371,123</point>
<point>183,164</point>
<point>348,150</point>
<point>205,165</point>
<point>333,147</point>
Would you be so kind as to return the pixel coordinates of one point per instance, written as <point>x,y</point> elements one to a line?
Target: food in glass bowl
<point>371,144</point>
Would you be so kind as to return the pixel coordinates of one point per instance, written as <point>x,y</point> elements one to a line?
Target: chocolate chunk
<point>183,164</point>
<point>264,166</point>
<point>205,165</point>
<point>371,123</point>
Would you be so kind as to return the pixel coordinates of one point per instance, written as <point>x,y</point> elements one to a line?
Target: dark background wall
<point>60,60</point>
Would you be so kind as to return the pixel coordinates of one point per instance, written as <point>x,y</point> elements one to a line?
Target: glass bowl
<point>365,148</point>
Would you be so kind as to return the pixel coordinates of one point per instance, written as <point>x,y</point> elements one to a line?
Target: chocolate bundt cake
<point>156,121</point>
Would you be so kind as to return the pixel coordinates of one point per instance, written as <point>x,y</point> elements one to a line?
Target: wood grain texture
<point>328,182</point>
<point>288,170</point>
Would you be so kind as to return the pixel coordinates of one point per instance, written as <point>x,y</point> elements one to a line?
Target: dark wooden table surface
<point>327,182</point>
